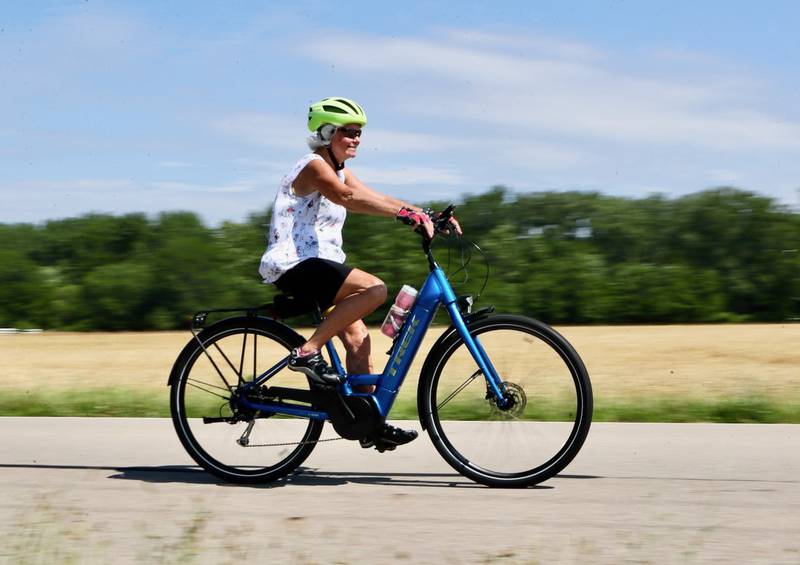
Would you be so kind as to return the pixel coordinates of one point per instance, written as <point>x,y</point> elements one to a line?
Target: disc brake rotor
<point>516,399</point>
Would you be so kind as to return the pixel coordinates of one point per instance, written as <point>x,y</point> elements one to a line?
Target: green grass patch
<point>745,409</point>
<point>118,403</point>
<point>153,403</point>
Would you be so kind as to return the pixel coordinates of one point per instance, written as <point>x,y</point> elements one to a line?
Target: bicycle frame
<point>436,290</point>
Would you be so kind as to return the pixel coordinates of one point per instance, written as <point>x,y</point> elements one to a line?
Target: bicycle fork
<point>494,383</point>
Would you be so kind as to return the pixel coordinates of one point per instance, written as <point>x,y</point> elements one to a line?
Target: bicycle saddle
<point>286,306</point>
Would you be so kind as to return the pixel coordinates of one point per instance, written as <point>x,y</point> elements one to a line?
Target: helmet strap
<point>336,164</point>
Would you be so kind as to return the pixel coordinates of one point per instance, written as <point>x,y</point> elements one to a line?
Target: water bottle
<point>399,311</point>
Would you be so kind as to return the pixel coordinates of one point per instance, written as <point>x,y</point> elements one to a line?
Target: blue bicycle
<point>505,399</point>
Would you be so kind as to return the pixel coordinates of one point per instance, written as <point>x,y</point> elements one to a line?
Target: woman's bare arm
<point>352,194</point>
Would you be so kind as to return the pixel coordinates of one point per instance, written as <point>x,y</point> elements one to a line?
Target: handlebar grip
<point>448,212</point>
<point>441,221</point>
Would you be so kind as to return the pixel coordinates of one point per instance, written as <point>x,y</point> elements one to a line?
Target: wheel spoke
<point>192,382</point>
<point>241,361</point>
<point>255,355</point>
<point>228,361</point>
<point>211,359</point>
<point>459,389</point>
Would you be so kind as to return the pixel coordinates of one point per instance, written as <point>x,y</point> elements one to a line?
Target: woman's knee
<point>361,282</point>
<point>373,284</point>
<point>379,290</point>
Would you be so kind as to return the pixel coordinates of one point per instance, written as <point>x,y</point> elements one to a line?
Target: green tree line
<point>563,257</point>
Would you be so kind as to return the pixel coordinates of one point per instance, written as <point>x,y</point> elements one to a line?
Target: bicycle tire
<point>213,446</point>
<point>553,403</point>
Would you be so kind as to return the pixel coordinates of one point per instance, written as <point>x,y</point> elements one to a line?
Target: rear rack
<point>282,306</point>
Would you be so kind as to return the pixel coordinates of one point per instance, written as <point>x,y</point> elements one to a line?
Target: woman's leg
<point>358,348</point>
<point>360,294</point>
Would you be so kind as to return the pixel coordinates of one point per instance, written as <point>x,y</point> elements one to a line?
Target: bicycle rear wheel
<point>213,427</point>
<point>550,413</point>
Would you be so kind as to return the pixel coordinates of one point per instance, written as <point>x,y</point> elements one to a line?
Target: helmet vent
<point>334,109</point>
<point>354,108</point>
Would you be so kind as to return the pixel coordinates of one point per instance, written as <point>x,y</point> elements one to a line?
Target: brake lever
<point>442,222</point>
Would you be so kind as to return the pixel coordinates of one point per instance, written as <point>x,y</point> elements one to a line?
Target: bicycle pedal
<point>381,447</point>
<point>320,387</point>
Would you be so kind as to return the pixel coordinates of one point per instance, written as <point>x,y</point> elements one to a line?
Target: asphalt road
<point>123,490</point>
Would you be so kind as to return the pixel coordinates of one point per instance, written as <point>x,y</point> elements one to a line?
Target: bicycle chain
<point>291,443</point>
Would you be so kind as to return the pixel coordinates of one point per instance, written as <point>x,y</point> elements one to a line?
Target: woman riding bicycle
<point>304,257</point>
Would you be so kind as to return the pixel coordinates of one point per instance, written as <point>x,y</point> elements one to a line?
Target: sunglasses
<point>352,133</point>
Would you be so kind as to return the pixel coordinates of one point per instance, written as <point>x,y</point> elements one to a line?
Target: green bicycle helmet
<point>337,111</point>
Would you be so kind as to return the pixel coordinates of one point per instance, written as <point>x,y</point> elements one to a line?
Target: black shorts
<point>316,279</point>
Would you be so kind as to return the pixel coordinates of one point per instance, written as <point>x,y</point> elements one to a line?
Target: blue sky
<point>150,106</point>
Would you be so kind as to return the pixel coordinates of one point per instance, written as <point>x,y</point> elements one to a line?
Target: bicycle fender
<point>234,321</point>
<point>433,354</point>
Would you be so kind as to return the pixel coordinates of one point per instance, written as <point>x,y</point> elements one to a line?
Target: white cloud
<point>110,186</point>
<point>283,132</point>
<point>33,201</point>
<point>199,188</point>
<point>263,130</point>
<point>559,95</point>
<point>73,185</point>
<point>539,43</point>
<point>410,176</point>
<point>109,97</point>
<point>392,141</point>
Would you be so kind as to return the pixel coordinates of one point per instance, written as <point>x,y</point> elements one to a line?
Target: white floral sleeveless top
<point>302,227</point>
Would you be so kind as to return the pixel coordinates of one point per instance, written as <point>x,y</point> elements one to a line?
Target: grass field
<point>731,373</point>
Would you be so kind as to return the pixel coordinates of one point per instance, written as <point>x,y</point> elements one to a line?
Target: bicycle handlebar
<point>441,223</point>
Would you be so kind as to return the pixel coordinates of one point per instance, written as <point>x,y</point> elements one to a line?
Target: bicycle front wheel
<point>222,436</point>
<point>532,437</point>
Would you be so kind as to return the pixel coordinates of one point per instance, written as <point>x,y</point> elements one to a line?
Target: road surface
<point>97,490</point>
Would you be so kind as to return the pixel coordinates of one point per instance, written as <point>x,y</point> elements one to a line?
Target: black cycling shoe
<point>389,438</point>
<point>392,435</point>
<point>314,367</point>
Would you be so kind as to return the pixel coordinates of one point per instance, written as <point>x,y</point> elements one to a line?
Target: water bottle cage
<point>397,328</point>
<point>394,342</point>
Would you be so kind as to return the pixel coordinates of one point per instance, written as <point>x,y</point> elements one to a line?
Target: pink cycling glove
<point>412,217</point>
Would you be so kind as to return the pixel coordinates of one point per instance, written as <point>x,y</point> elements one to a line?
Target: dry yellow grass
<point>624,362</point>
